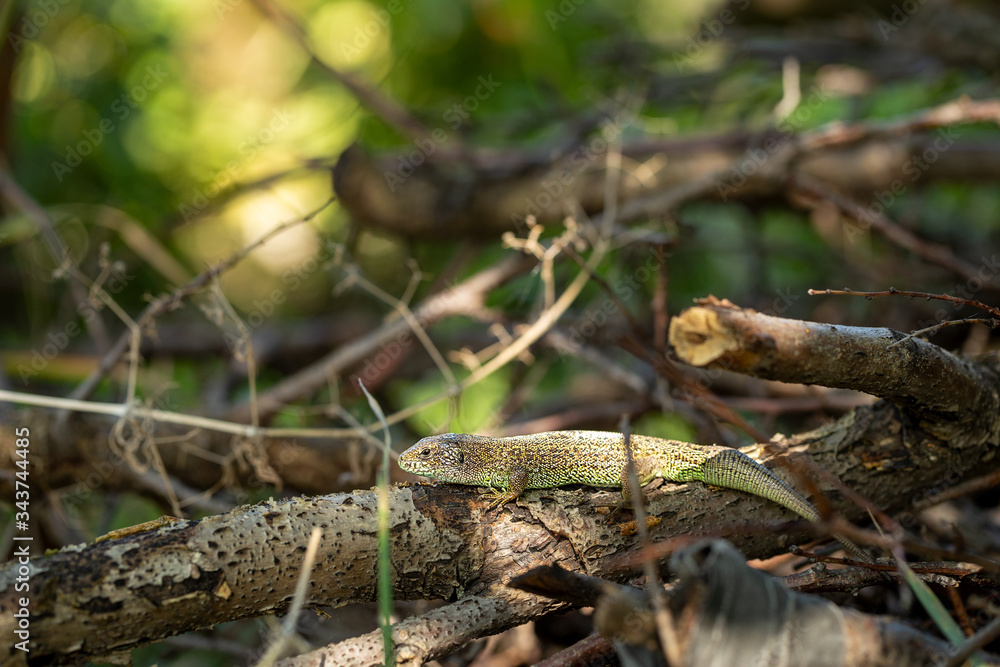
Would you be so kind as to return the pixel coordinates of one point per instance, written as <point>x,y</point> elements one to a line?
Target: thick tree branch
<point>484,194</point>
<point>915,374</point>
<point>147,586</point>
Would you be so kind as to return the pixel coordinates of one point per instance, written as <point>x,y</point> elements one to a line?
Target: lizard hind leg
<point>645,471</point>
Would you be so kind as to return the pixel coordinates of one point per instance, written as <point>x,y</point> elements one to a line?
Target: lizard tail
<point>735,470</point>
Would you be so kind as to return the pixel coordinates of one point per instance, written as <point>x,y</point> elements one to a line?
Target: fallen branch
<point>916,374</point>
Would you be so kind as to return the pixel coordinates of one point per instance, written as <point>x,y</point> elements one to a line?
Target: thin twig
<point>866,216</point>
<point>892,291</point>
<point>546,320</point>
<point>957,112</point>
<point>691,391</point>
<point>401,306</point>
<point>167,417</point>
<point>989,633</point>
<point>603,284</point>
<point>463,298</point>
<point>243,349</point>
<point>791,86</point>
<point>662,614</point>
<point>928,331</point>
<point>957,491</point>
<point>166,302</point>
<point>661,312</point>
<point>277,647</point>
<point>24,202</point>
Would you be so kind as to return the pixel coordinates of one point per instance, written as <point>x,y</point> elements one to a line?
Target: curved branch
<point>435,634</point>
<point>486,193</point>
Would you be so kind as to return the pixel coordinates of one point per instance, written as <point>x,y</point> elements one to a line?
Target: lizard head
<point>442,457</point>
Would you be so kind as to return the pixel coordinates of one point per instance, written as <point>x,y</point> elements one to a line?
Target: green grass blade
<point>932,605</point>
<point>384,552</point>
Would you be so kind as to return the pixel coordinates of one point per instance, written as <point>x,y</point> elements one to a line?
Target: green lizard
<point>595,458</point>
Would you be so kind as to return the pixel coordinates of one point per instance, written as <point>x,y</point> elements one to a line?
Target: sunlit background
<point>165,136</point>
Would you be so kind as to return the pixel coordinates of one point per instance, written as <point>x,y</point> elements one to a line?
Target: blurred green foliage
<point>204,125</point>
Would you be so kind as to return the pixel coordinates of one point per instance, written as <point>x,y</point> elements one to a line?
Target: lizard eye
<point>461,457</point>
<point>426,451</point>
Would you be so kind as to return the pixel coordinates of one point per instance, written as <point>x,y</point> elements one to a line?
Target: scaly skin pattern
<point>594,458</point>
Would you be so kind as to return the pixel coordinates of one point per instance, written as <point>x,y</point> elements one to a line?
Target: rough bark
<point>113,595</point>
<point>146,586</point>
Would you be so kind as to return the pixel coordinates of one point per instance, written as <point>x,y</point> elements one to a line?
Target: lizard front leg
<point>516,483</point>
